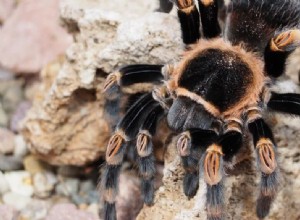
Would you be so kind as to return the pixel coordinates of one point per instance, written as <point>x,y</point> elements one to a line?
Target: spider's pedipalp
<point>266,158</point>
<point>146,160</point>
<point>189,20</point>
<point>133,74</point>
<point>278,50</point>
<point>209,18</point>
<point>288,103</point>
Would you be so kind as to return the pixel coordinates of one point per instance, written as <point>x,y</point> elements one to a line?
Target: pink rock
<point>32,37</point>
<point>69,212</point>
<point>6,8</point>
<point>7,212</point>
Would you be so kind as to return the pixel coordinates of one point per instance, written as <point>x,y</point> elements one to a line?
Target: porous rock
<point>66,124</point>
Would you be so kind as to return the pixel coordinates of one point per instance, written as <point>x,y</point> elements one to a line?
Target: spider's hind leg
<point>288,103</point>
<point>209,18</point>
<point>278,50</point>
<point>189,19</point>
<point>266,157</point>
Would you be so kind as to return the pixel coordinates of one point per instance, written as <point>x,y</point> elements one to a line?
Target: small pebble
<point>18,201</point>
<point>7,212</point>
<point>7,143</point>
<point>67,187</point>
<point>20,182</point>
<point>69,212</point>
<point>3,184</point>
<point>34,165</point>
<point>20,146</point>
<point>3,117</point>
<point>10,163</point>
<point>35,210</point>
<point>86,186</point>
<point>18,115</point>
<point>42,188</point>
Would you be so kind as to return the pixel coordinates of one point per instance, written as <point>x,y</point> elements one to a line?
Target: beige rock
<point>6,8</point>
<point>31,36</point>
<point>7,144</point>
<point>66,124</point>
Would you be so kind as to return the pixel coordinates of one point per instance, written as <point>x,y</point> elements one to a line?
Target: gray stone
<point>10,162</point>
<point>20,149</point>
<point>7,143</point>
<point>35,210</point>
<point>3,117</point>
<point>16,200</point>
<point>67,187</point>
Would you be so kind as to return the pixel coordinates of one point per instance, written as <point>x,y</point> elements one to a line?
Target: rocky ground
<point>52,126</point>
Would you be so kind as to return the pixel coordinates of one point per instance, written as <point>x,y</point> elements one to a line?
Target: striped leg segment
<point>146,160</point>
<point>266,154</point>
<point>278,50</point>
<point>189,20</point>
<point>189,146</point>
<point>288,103</point>
<point>133,74</point>
<point>209,18</point>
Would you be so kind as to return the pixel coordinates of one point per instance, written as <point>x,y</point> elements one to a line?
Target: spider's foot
<point>110,211</point>
<point>286,41</point>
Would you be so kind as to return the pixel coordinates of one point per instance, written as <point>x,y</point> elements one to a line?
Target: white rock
<point>20,146</point>
<point>20,182</point>
<point>18,201</point>
<point>3,184</point>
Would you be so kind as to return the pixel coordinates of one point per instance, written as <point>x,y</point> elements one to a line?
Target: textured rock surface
<point>31,36</point>
<point>66,125</point>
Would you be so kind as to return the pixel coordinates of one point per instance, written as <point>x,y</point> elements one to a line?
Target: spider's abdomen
<point>219,77</point>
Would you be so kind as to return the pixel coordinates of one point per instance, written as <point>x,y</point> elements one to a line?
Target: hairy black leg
<point>189,20</point>
<point>266,156</point>
<point>278,50</point>
<point>146,160</point>
<point>209,18</point>
<point>133,74</point>
<point>165,6</point>
<point>126,130</point>
<point>285,103</point>
<point>190,145</point>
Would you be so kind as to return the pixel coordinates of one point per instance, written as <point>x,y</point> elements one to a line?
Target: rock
<point>32,37</point>
<point>86,186</point>
<point>5,74</point>
<point>34,165</point>
<point>6,8</point>
<point>79,138</point>
<point>69,212</point>
<point>93,208</point>
<point>7,143</point>
<point>67,187</point>
<point>11,93</point>
<point>7,212</point>
<point>10,162</point>
<point>35,210</point>
<point>20,183</point>
<point>16,200</point>
<point>41,186</point>
<point>20,149</point>
<point>3,117</point>
<point>3,184</point>
<point>18,115</point>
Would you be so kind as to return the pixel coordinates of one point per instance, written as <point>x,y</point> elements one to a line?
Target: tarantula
<point>218,92</point>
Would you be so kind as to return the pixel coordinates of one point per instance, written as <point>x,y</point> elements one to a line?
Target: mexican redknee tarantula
<point>211,98</point>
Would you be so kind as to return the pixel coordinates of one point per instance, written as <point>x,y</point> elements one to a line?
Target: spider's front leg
<point>190,145</point>
<point>278,50</point>
<point>226,146</point>
<point>266,156</point>
<point>288,103</point>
